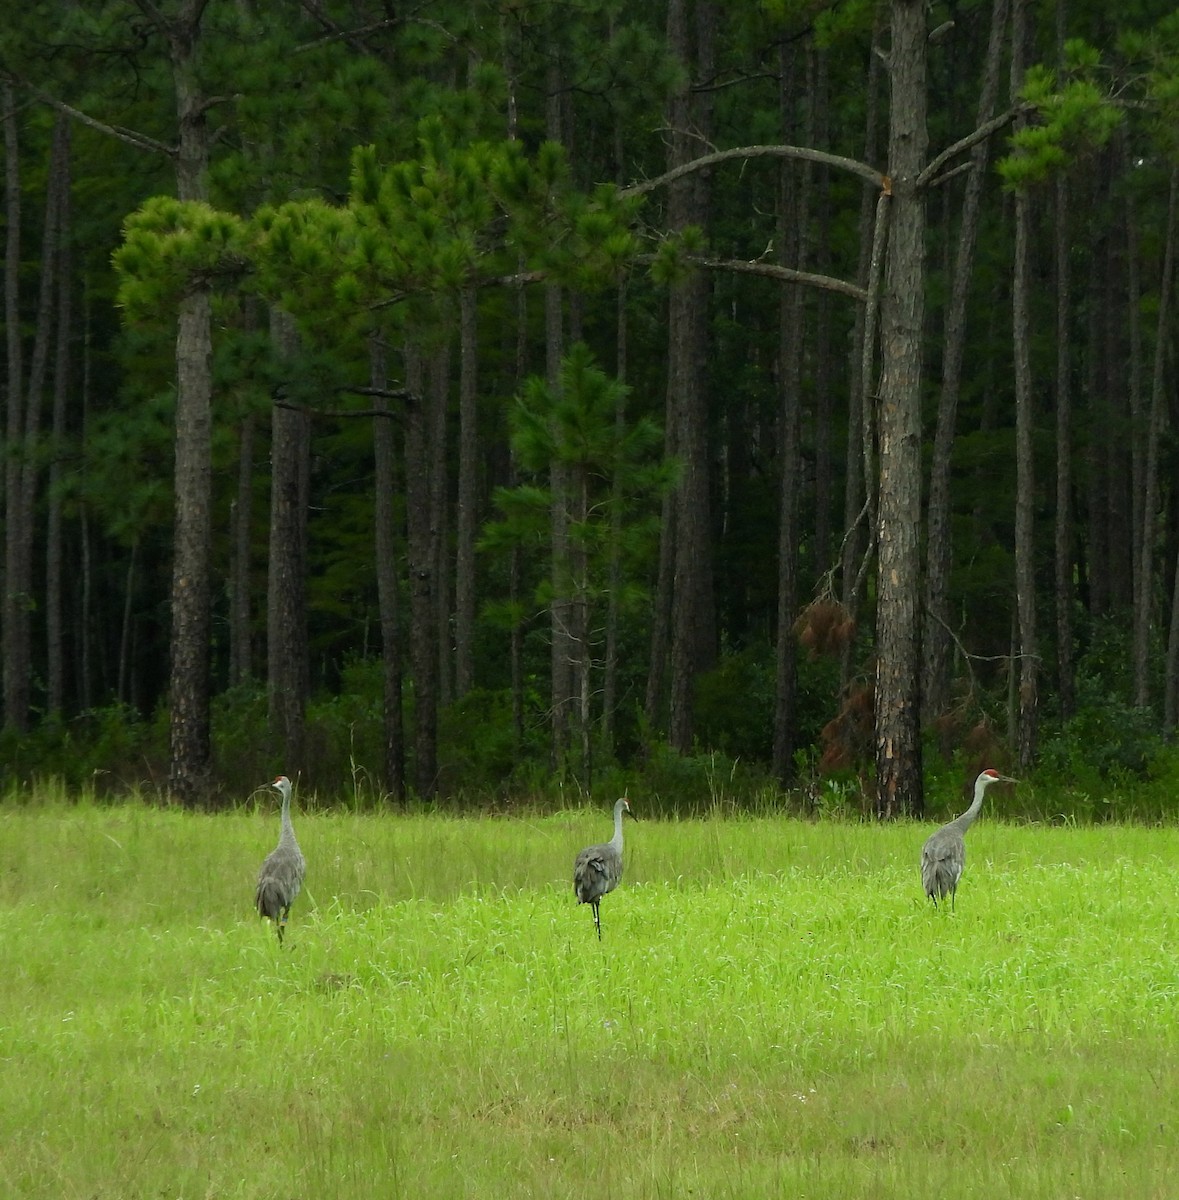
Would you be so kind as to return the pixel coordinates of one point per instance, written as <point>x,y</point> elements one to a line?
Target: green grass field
<point>774,1011</point>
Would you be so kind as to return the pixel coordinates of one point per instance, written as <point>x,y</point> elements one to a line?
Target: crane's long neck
<point>288,830</point>
<point>616,840</point>
<point>969,817</point>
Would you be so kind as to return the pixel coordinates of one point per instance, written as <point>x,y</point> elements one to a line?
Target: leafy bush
<point>107,750</point>
<point>735,703</point>
<point>1103,744</point>
<point>735,706</point>
<point>478,748</point>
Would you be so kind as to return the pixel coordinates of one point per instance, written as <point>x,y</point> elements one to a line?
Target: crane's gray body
<point>944,854</point>
<point>281,876</point>
<point>598,869</point>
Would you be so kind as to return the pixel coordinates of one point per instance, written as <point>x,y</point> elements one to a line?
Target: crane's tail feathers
<point>269,899</point>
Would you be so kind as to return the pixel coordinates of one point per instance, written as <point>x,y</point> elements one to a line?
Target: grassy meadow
<point>774,1010</point>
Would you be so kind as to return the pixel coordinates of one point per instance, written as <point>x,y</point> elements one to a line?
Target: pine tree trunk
<point>579,630</point>
<point>1133,368</point>
<point>936,635</point>
<point>423,608</point>
<point>19,600</point>
<point>1144,593</point>
<point>287,666</point>
<point>54,546</point>
<point>241,665</point>
<point>439,393</point>
<point>189,694</point>
<point>860,381</point>
<point>1063,541</point>
<point>1171,670</point>
<point>793,218</point>
<point>516,638</point>
<point>560,646</point>
<point>693,618</point>
<point>819,89</point>
<point>191,590</point>
<point>898,701</point>
<point>385,551</point>
<point>655,695</point>
<point>614,568</point>
<point>1096,504</point>
<point>1025,547</point>
<point>468,478</point>
<point>123,684</point>
<point>1118,453</point>
<point>14,710</point>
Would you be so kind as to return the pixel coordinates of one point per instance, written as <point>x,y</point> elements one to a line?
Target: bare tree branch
<point>139,140</point>
<point>774,271</point>
<point>346,35</point>
<point>313,411</point>
<point>745,152</point>
<point>946,176</point>
<point>984,131</point>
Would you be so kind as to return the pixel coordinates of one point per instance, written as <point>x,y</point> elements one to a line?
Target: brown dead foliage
<point>825,627</point>
<point>848,739</point>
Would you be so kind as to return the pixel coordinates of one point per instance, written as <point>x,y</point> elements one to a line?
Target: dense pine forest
<point>461,401</point>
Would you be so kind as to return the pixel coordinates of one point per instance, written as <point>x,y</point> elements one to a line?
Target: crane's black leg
<point>597,919</point>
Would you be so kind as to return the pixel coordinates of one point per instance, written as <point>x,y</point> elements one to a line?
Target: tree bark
<point>385,550</point>
<point>898,699</point>
<point>693,618</point>
<point>1171,669</point>
<point>438,386</point>
<point>860,376</point>
<point>794,188</point>
<point>287,665</point>
<point>14,415</point>
<point>560,646</point>
<point>468,493</point>
<point>54,546</point>
<point>1063,540</point>
<point>939,552</point>
<point>423,614</point>
<point>191,623</point>
<point>1144,595</point>
<point>820,100</point>
<point>1025,485</point>
<point>14,708</point>
<point>516,639</point>
<point>189,694</point>
<point>614,569</point>
<point>19,599</point>
<point>241,664</point>
<point>1133,368</point>
<point>1096,473</point>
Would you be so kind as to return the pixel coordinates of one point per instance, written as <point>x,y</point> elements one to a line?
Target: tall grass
<point>773,1010</point>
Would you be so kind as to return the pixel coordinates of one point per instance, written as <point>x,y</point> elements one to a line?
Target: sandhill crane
<point>944,853</point>
<point>282,873</point>
<point>598,869</point>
